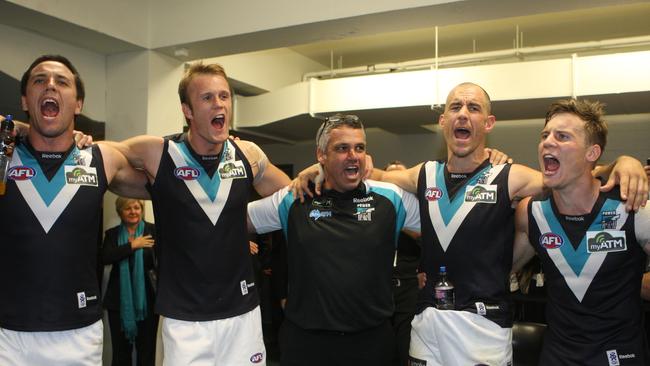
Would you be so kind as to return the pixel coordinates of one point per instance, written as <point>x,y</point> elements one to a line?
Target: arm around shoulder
<point>524,182</point>
<point>142,152</point>
<point>642,227</point>
<point>123,179</point>
<point>405,179</point>
<point>629,174</point>
<point>264,214</point>
<point>267,177</point>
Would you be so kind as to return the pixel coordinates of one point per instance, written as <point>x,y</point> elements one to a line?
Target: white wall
<point>141,98</point>
<point>267,70</point>
<point>383,146</point>
<point>158,23</point>
<point>206,19</point>
<point>127,20</point>
<point>21,48</point>
<point>552,78</point>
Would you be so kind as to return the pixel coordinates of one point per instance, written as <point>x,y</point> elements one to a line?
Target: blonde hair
<point>194,70</point>
<point>122,202</point>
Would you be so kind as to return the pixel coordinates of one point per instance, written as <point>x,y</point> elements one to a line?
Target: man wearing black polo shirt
<point>340,253</point>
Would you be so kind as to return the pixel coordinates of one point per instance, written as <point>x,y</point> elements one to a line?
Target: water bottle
<point>444,291</point>
<point>6,127</point>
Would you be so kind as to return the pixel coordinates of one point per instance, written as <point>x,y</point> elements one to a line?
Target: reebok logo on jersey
<point>51,155</point>
<point>83,176</point>
<point>187,173</point>
<point>210,157</point>
<point>551,241</point>
<point>606,241</point>
<point>574,218</point>
<point>362,200</point>
<point>232,170</point>
<point>21,173</point>
<point>433,194</point>
<point>481,194</point>
<point>317,214</point>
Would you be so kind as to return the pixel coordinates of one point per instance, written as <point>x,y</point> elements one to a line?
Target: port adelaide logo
<point>81,175</point>
<point>606,241</point>
<point>364,208</point>
<point>481,194</point>
<point>610,220</point>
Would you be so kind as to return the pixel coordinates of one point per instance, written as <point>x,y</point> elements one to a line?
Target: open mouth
<point>351,170</point>
<point>462,133</point>
<point>551,164</point>
<point>219,121</point>
<point>49,107</point>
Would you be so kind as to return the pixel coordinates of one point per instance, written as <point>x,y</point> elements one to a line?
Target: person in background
<point>405,283</point>
<point>130,292</point>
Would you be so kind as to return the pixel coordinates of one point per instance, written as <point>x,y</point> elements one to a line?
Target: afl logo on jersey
<point>257,358</point>
<point>21,173</point>
<point>551,241</point>
<point>433,194</point>
<point>186,173</point>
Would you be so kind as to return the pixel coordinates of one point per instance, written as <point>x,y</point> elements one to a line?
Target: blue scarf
<point>133,298</point>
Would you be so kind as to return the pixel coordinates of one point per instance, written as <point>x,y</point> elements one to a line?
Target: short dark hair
<point>590,112</point>
<point>336,121</point>
<point>79,84</point>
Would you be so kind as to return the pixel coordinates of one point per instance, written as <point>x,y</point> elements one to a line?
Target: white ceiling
<point>551,28</point>
<point>402,35</point>
<point>554,28</point>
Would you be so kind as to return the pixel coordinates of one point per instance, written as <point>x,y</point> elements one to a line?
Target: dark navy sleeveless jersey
<point>470,230</point>
<point>51,232</point>
<point>340,249</point>
<point>593,267</point>
<point>205,270</point>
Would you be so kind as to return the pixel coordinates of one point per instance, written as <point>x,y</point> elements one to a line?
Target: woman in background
<point>130,292</point>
